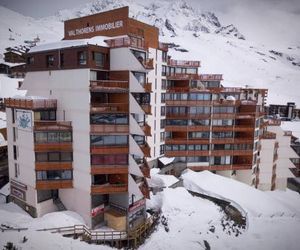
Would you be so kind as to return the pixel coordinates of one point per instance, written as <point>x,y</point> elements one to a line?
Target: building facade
<point>104,104</point>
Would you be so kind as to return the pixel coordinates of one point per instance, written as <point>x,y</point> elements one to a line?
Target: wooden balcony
<point>163,46</point>
<point>187,116</point>
<point>126,42</point>
<point>177,76</point>
<point>52,125</point>
<point>188,103</point>
<point>145,170</point>
<point>222,140</point>
<point>108,169</point>
<point>109,128</point>
<point>146,108</point>
<point>46,147</point>
<point>210,77</point>
<point>109,150</point>
<point>268,135</point>
<point>30,103</point>
<point>109,188</point>
<point>109,86</point>
<point>183,63</point>
<point>148,63</point>
<point>148,87</point>
<point>187,141</point>
<point>223,116</point>
<point>147,129</point>
<point>109,108</point>
<point>53,166</point>
<point>54,184</point>
<point>222,167</point>
<point>146,149</point>
<point>186,128</point>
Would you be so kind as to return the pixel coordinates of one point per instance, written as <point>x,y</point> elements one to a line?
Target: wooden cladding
<point>109,108</point>
<point>53,166</point>
<point>109,188</point>
<point>221,167</point>
<point>53,147</point>
<point>52,126</point>
<point>146,108</point>
<point>109,86</point>
<point>109,128</point>
<point>147,129</point>
<point>109,150</point>
<point>54,184</point>
<point>30,103</point>
<point>146,150</point>
<point>109,169</point>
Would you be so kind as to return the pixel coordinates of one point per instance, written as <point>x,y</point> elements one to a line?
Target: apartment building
<point>104,104</point>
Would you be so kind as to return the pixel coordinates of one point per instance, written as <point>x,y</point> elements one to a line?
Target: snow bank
<point>253,201</point>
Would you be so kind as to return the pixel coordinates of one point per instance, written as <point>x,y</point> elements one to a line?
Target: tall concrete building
<point>107,102</point>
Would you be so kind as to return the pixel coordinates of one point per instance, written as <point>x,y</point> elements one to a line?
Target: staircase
<point>60,206</point>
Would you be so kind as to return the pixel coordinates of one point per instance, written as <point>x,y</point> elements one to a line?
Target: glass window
<point>99,58</point>
<point>53,136</point>
<point>41,157</point>
<point>50,60</point>
<point>66,156</point>
<point>53,156</point>
<point>82,58</point>
<point>40,137</point>
<point>65,136</point>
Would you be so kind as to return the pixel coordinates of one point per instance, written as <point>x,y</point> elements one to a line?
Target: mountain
<point>196,34</point>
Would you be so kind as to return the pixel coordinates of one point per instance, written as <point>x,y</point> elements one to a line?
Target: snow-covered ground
<point>293,126</point>
<point>273,220</point>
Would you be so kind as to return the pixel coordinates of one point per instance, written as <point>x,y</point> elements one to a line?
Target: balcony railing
<point>109,169</point>
<point>52,125</point>
<point>109,107</point>
<point>210,77</point>
<point>59,146</point>
<point>109,128</point>
<point>53,165</point>
<point>147,129</point>
<point>145,170</point>
<point>268,135</point>
<point>146,150</point>
<point>274,122</point>
<point>183,63</point>
<point>30,103</point>
<point>177,76</point>
<point>148,87</point>
<point>146,108</point>
<point>53,184</point>
<point>126,42</point>
<point>109,149</point>
<point>148,63</point>
<point>109,188</point>
<point>163,46</point>
<point>109,86</point>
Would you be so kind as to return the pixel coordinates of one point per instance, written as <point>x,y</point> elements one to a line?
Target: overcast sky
<point>266,21</point>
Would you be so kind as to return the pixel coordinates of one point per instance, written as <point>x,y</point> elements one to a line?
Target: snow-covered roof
<point>10,64</point>
<point>30,97</point>
<point>293,126</point>
<point>166,160</point>
<point>97,40</point>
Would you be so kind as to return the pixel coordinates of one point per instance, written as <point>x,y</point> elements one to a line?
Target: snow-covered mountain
<point>221,47</point>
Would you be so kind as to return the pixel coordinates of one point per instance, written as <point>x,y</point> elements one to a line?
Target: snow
<point>9,87</point>
<point>241,194</point>
<point>5,190</point>
<point>10,64</point>
<point>293,126</point>
<point>166,160</point>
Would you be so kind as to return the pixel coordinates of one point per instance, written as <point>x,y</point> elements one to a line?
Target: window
<point>224,109</point>
<point>15,134</point>
<point>222,135</point>
<point>199,135</point>
<point>140,76</point>
<point>163,84</point>
<point>164,55</point>
<point>15,152</point>
<point>199,110</point>
<point>47,115</point>
<point>162,136</point>
<point>225,122</point>
<point>163,111</point>
<point>197,159</point>
<point>108,119</point>
<point>54,175</point>
<point>163,98</point>
<point>199,122</point>
<point>30,60</point>
<point>61,60</point>
<point>52,137</point>
<point>221,160</point>
<point>162,149</point>
<point>198,147</point>
<point>117,159</point>
<point>99,58</point>
<point>82,58</point>
<point>102,140</point>
<point>164,71</point>
<point>54,157</point>
<point>17,170</point>
<point>162,123</point>
<point>50,60</point>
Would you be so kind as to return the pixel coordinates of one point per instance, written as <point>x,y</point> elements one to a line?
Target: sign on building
<point>24,119</point>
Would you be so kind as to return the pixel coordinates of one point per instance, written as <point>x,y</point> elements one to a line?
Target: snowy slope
<point>220,46</point>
